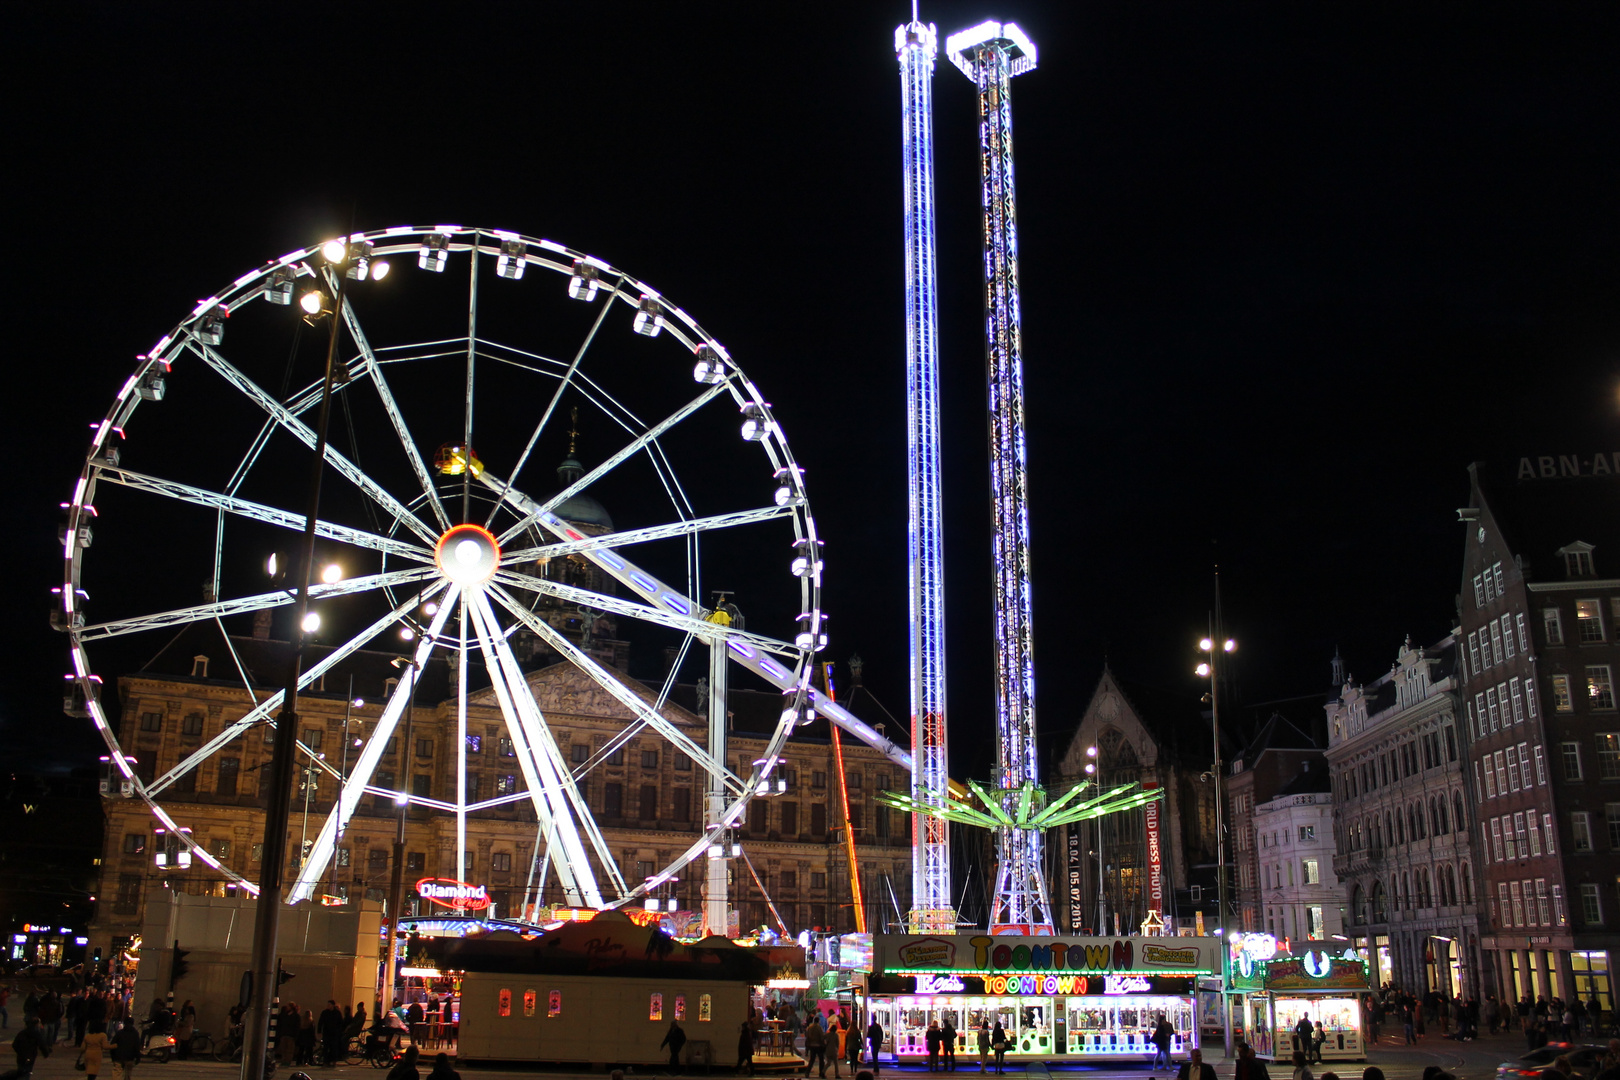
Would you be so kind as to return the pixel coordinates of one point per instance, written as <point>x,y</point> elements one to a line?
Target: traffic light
<point>179,967</point>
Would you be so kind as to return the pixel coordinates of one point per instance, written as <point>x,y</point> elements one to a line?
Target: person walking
<point>1162,1034</point>
<point>815,1046</point>
<point>931,1042</point>
<point>874,1039</point>
<point>745,1048</point>
<point>998,1045</point>
<point>1248,1066</point>
<point>947,1044</point>
<point>1195,1069</point>
<point>835,1043</point>
<point>95,1046</point>
<point>126,1051</point>
<point>674,1038</point>
<point>1302,1071</point>
<point>984,1044</point>
<point>28,1044</point>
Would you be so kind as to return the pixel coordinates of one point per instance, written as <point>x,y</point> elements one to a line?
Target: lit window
<point>1589,620</point>
<point>655,1007</point>
<point>506,748</point>
<point>505,785</point>
<point>1312,877</point>
<point>1307,832</point>
<point>504,1003</point>
<point>475,744</point>
<point>1599,686</point>
<point>530,999</point>
<point>1562,702</point>
<point>554,1003</point>
<point>1559,918</point>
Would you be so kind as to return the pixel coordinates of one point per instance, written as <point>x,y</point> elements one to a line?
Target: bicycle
<point>202,1044</point>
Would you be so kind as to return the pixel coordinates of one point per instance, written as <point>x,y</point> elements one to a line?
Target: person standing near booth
<point>874,1039</point>
<point>947,1036</point>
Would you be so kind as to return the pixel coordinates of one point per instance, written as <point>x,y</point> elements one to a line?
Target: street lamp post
<point>1091,771</point>
<point>1209,670</point>
<point>396,878</point>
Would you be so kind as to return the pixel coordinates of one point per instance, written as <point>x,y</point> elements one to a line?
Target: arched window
<point>1448,885</point>
<point>1417,821</point>
<point>1377,834</point>
<point>1405,900</point>
<point>1358,913</point>
<point>1425,895</point>
<point>1467,882</point>
<point>1380,906</point>
<point>1459,821</point>
<point>1440,825</point>
<point>1393,823</point>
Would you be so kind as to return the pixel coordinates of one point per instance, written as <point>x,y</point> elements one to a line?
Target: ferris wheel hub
<point>468,555</point>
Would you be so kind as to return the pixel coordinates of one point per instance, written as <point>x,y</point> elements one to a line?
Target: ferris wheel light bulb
<point>406,633</point>
<point>312,622</point>
<point>312,302</point>
<point>431,607</point>
<point>379,270</point>
<point>335,251</point>
<point>468,555</point>
<point>1205,644</point>
<point>332,573</point>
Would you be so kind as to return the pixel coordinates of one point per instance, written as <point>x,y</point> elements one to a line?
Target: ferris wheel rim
<point>417,546</point>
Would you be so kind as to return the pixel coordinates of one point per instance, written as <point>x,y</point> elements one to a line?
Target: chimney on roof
<point>856,666</point>
<point>261,624</point>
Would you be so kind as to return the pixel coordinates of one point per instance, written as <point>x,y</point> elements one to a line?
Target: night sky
<point>1287,269</point>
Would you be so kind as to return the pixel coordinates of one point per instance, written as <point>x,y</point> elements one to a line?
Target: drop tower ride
<point>916,45</point>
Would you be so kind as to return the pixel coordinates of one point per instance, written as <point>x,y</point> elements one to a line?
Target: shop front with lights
<point>1317,983</point>
<point>1094,998</point>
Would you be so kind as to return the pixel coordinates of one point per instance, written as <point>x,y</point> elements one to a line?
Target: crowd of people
<point>1407,1018</point>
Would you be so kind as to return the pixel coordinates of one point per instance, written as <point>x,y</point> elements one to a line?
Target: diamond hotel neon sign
<point>455,895</point>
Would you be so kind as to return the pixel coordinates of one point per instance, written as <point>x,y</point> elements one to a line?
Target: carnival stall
<point>1317,981</point>
<point>1096,998</point>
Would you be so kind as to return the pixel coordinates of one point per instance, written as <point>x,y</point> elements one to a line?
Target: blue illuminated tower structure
<point>991,54</point>
<point>916,44</point>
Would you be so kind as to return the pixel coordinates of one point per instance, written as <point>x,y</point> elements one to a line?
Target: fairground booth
<point>1083,997</point>
<point>1323,981</point>
<point>603,992</point>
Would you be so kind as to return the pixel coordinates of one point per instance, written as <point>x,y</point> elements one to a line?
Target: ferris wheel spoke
<point>551,407</point>
<point>366,764</point>
<point>384,393</point>
<point>553,791</point>
<point>302,432</point>
<point>618,605</point>
<point>224,608</point>
<point>263,710</point>
<point>649,534</point>
<point>286,519</point>
<point>532,510</point>
<point>621,693</point>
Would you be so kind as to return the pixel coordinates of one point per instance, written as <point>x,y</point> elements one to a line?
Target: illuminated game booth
<point>1090,997</point>
<point>1322,980</point>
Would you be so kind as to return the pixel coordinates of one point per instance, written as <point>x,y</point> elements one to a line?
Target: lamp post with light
<point>1092,774</point>
<point>1207,669</point>
<point>344,260</point>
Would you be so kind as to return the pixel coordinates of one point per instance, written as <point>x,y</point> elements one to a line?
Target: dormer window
<point>199,667</point>
<point>1577,559</point>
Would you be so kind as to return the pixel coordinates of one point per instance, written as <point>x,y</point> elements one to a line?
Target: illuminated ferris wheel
<point>446,537</point>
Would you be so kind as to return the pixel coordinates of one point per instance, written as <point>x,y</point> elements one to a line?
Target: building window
<point>1312,877</point>
<point>1562,702</point>
<point>790,819</point>
<point>1496,640</point>
<point>1307,832</point>
<point>1541,765</point>
<point>475,744</point>
<point>1490,778</point>
<point>617,757</point>
<point>472,788</point>
<point>1599,686</point>
<point>1513,768</point>
<point>500,861</point>
<point>1479,590</point>
<point>1553,625</point>
<point>377,860</point>
<point>1494,705</point>
<point>1608,748</point>
<point>1473,652</point>
<point>414,862</point>
<point>1591,904</point>
<point>684,764</point>
<point>818,819</point>
<point>818,780</point>
<point>649,802</point>
<point>134,843</point>
<point>613,799</point>
<point>759,816</point>
<point>789,879</point>
<point>424,748</point>
<point>1507,636</point>
<point>1581,830</point>
<point>343,856</point>
<point>1570,752</point>
<point>649,759</point>
<point>1524,637</point>
<point>683,804</point>
<point>1516,891</point>
<point>818,879</point>
<point>1547,828</point>
<point>579,753</point>
<point>151,721</point>
<point>191,724</point>
<point>506,785</point>
<point>505,748</point>
<point>1518,701</point>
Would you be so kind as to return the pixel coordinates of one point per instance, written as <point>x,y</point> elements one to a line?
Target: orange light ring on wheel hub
<point>468,555</point>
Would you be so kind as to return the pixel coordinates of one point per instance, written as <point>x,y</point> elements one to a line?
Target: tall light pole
<point>1095,776</point>
<point>1209,670</point>
<point>396,876</point>
<point>278,801</point>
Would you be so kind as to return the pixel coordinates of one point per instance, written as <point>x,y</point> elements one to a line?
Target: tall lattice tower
<point>916,45</point>
<point>991,54</point>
